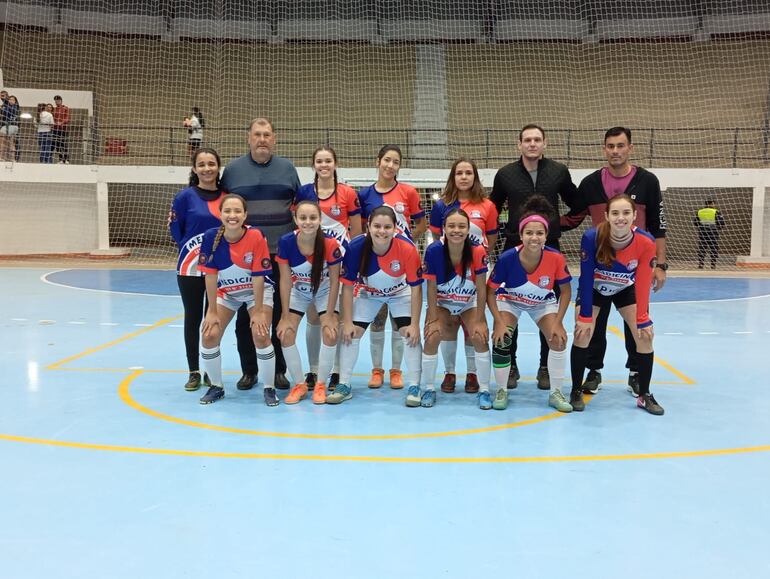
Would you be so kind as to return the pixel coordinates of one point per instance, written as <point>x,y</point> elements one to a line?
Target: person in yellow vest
<point>709,222</point>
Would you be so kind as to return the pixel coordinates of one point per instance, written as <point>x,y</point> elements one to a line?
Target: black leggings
<point>192,288</point>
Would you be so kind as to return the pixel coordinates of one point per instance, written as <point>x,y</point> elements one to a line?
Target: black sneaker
<point>193,382</point>
<point>576,400</point>
<point>271,398</point>
<point>592,382</point>
<point>513,377</point>
<point>633,385</point>
<point>281,381</point>
<point>213,394</point>
<point>648,402</point>
<point>543,379</point>
<point>246,382</point>
<point>334,379</point>
<point>310,379</point>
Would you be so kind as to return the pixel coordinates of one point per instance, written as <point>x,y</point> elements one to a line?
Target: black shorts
<point>401,322</point>
<point>302,314</point>
<point>626,297</point>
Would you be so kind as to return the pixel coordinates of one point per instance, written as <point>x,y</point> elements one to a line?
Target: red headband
<point>530,219</point>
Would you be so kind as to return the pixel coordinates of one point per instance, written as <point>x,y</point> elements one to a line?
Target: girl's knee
<point>262,341</point>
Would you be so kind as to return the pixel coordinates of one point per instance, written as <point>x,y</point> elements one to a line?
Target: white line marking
<point>76,323</point>
<point>109,324</point>
<point>175,326</point>
<point>743,332</point>
<point>44,279</point>
<point>142,325</point>
<point>19,319</point>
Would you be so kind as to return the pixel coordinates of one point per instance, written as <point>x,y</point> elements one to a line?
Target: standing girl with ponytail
<point>523,281</point>
<point>194,211</point>
<point>616,265</point>
<point>380,268</point>
<point>310,267</point>
<point>405,202</point>
<point>456,272</point>
<point>236,262</point>
<point>341,219</point>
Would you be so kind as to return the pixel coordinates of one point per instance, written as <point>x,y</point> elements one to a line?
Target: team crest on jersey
<point>632,264</point>
<point>425,266</point>
<point>583,255</point>
<point>485,259</point>
<point>475,214</point>
<point>266,264</point>
<point>248,258</point>
<point>399,207</point>
<point>395,266</point>
<point>419,272</point>
<point>544,280</point>
<point>337,253</point>
<point>336,210</point>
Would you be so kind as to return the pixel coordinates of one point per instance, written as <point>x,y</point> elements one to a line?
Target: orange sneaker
<point>396,379</point>
<point>297,393</point>
<point>378,375</point>
<point>319,393</point>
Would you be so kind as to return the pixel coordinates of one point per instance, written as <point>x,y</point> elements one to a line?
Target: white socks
<point>470,357</point>
<point>313,342</point>
<point>293,363</point>
<point>557,362</point>
<point>483,369</point>
<point>348,359</point>
<point>396,350</point>
<point>413,355</point>
<point>326,361</point>
<point>266,364</point>
<point>429,363</point>
<point>377,346</point>
<point>449,354</point>
<point>212,364</point>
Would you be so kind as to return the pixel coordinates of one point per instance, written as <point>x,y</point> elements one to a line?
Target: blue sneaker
<point>213,394</point>
<point>271,398</point>
<point>341,393</point>
<point>485,400</point>
<point>413,396</point>
<point>428,399</point>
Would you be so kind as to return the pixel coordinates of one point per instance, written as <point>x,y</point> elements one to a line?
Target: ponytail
<point>319,260</point>
<point>217,239</point>
<point>604,252</point>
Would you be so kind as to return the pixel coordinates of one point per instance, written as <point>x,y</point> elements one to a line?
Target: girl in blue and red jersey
<point>310,268</point>
<point>381,268</point>
<point>405,201</point>
<point>523,281</point>
<point>456,271</point>
<point>236,263</point>
<point>464,190</point>
<point>194,211</point>
<point>617,263</point>
<point>340,218</point>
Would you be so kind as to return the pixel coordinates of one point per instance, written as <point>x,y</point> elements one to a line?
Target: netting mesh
<point>440,78</point>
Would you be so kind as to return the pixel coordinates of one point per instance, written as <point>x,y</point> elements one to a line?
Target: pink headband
<point>530,219</point>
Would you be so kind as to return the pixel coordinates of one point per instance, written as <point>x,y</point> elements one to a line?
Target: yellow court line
<point>84,353</point>
<point>385,459</point>
<point>125,396</point>
<point>681,375</point>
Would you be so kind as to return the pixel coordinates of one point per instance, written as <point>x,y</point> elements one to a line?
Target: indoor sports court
<point>112,469</point>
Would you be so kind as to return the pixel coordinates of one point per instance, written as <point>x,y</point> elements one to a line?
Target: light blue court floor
<point>111,470</point>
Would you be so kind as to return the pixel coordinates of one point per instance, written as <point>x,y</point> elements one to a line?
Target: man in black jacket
<point>513,185</point>
<point>619,176</point>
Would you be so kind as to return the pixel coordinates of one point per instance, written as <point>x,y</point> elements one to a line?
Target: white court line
<point>44,279</point>
<point>109,324</point>
<point>19,319</point>
<point>142,325</point>
<point>175,326</point>
<point>743,332</point>
<point>76,323</point>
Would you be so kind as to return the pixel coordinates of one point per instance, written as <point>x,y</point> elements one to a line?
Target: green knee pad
<point>501,355</point>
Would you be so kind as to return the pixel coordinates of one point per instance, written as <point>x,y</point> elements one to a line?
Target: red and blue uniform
<point>632,266</point>
<point>454,293</point>
<point>402,198</point>
<point>236,263</point>
<point>483,217</point>
<point>301,265</point>
<point>387,275</point>
<point>193,212</point>
<point>524,290</point>
<point>335,211</point>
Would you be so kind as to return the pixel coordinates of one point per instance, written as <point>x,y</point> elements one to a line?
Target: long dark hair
<point>194,181</point>
<point>221,230</point>
<point>319,249</point>
<point>315,176</point>
<point>451,193</point>
<point>466,259</point>
<point>366,254</point>
<point>604,251</point>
